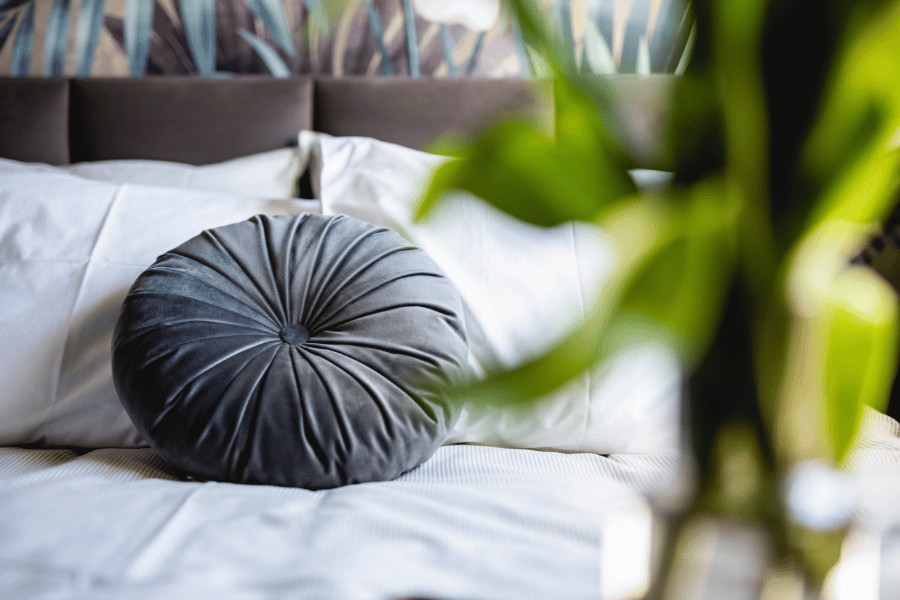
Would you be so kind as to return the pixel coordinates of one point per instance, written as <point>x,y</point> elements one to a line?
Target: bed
<point>99,176</point>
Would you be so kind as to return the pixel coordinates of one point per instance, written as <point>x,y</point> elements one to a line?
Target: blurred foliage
<point>783,163</point>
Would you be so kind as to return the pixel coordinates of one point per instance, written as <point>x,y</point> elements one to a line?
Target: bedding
<point>523,288</point>
<point>472,522</point>
<point>269,175</point>
<point>295,350</point>
<point>69,250</point>
<point>273,174</point>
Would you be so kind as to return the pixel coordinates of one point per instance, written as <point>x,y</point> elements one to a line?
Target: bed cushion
<point>70,248</point>
<point>523,288</point>
<point>416,112</point>
<point>272,174</point>
<point>35,119</point>
<point>303,351</point>
<point>186,119</point>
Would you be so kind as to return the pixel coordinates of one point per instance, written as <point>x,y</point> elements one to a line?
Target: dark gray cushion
<point>303,351</point>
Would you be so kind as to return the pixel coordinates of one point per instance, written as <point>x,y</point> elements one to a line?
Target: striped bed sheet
<point>473,522</point>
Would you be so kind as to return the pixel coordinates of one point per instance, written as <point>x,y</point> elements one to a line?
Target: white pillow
<point>273,174</point>
<point>70,248</point>
<point>524,288</point>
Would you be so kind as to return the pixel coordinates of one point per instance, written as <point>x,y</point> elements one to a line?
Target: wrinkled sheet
<point>875,467</point>
<point>471,523</point>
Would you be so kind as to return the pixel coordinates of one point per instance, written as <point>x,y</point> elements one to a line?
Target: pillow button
<point>294,334</point>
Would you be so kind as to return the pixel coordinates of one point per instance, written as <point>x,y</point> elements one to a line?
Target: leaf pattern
<point>276,66</point>
<point>198,19</point>
<point>90,19</point>
<point>21,50</point>
<point>6,5</point>
<point>6,29</point>
<point>234,54</point>
<point>56,38</point>
<point>138,26</point>
<point>370,38</point>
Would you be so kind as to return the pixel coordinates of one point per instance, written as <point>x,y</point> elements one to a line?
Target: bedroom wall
<point>282,37</point>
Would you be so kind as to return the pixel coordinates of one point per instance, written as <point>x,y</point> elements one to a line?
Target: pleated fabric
<point>295,350</point>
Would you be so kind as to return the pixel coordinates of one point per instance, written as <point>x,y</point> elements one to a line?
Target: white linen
<point>471,523</point>
<point>524,287</point>
<point>272,174</point>
<point>70,248</point>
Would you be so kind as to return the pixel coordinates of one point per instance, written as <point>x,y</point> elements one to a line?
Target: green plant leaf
<point>56,38</point>
<point>90,19</point>
<point>536,36</point>
<point>21,52</point>
<point>638,228</point>
<point>540,180</point>
<point>847,154</point>
<point>138,25</point>
<point>199,20</point>
<point>273,62</point>
<point>862,341</point>
<point>679,291</point>
<point>736,38</point>
<point>539,377</point>
<point>524,173</point>
<point>271,14</point>
<point>645,232</point>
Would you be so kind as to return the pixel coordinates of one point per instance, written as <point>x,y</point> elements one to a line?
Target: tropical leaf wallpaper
<point>406,38</point>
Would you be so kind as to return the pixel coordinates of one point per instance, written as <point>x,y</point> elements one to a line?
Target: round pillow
<point>295,350</point>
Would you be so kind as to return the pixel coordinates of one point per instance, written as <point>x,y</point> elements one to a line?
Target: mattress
<point>473,522</point>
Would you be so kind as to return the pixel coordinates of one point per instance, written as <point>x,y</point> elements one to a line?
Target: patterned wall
<point>365,37</point>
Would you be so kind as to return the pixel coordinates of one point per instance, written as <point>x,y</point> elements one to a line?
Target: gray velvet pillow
<point>303,351</point>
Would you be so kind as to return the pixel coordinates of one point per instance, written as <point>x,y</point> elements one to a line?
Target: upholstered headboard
<point>207,120</point>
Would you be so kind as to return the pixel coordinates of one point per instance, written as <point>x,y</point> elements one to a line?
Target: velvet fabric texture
<point>299,350</point>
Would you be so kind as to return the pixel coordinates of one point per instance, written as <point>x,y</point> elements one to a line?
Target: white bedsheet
<point>471,523</point>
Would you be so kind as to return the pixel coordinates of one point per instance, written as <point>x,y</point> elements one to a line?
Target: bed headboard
<point>207,120</point>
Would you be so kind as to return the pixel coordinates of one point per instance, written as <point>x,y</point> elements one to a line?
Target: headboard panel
<point>415,112</point>
<point>182,119</point>
<point>34,116</point>
<point>207,120</point>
